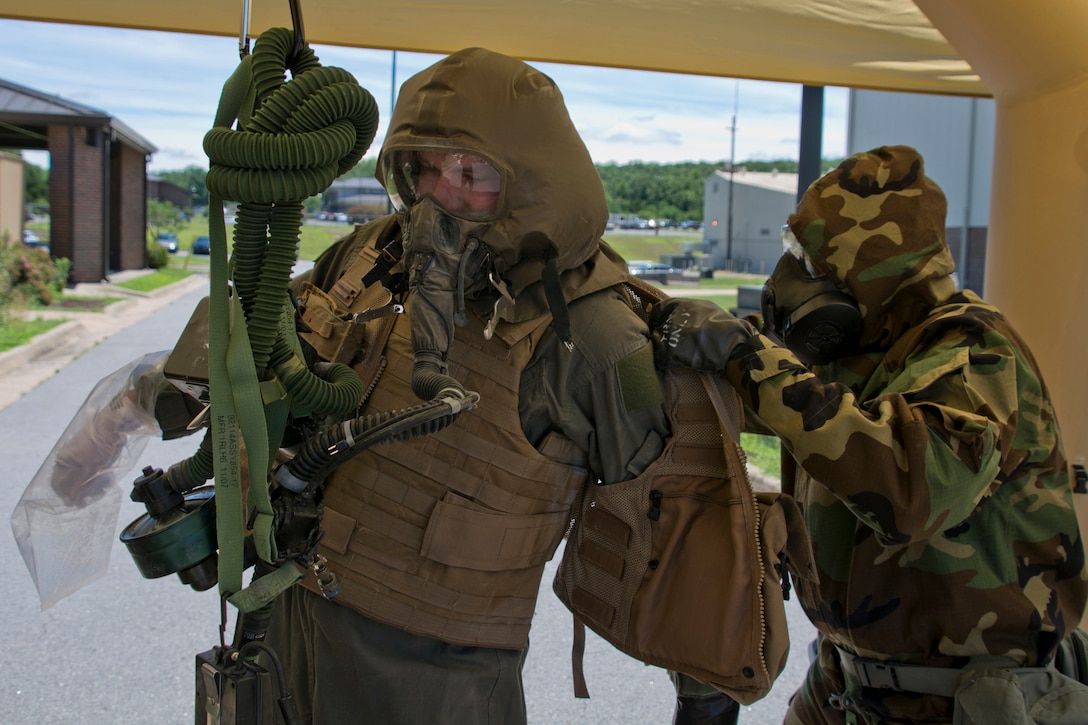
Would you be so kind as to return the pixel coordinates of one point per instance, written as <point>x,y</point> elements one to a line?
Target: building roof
<point>32,110</point>
<point>358,184</point>
<point>773,180</point>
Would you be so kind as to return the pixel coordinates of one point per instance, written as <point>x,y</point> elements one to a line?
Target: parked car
<point>201,245</point>
<point>652,271</point>
<point>32,240</point>
<point>168,240</point>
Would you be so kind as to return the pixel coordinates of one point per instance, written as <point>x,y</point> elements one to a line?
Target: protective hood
<point>876,226</point>
<point>552,204</point>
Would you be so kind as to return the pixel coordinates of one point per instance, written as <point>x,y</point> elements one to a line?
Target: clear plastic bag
<point>66,521</point>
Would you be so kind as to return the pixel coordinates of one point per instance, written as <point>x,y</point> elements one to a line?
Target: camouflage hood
<point>552,201</point>
<point>875,225</point>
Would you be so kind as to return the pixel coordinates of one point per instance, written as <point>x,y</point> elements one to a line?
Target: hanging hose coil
<point>297,139</point>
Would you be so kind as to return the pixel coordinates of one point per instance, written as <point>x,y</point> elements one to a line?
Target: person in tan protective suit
<point>439,542</point>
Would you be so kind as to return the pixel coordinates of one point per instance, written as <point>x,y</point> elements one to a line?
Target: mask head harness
<point>807,311</point>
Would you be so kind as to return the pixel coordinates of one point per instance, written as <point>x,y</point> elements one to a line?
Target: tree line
<point>646,189</point>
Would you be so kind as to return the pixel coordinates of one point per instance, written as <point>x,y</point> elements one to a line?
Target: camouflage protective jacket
<point>931,470</point>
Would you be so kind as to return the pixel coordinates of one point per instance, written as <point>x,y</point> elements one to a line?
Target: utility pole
<point>732,165</point>
<point>392,103</point>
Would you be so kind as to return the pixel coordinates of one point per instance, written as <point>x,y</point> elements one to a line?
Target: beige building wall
<point>11,196</point>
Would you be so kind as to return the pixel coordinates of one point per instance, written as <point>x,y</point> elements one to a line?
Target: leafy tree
<point>656,191</point>
<point>364,169</point>
<point>646,189</point>
<point>672,191</point>
<point>162,216</point>
<point>36,184</point>
<point>191,178</point>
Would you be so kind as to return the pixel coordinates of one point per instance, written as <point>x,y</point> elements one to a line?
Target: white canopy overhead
<point>886,44</point>
<point>1031,57</point>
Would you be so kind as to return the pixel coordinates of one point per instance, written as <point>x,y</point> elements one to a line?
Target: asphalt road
<point>121,650</point>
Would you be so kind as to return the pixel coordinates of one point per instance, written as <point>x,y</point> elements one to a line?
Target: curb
<point>42,345</point>
<point>39,346</point>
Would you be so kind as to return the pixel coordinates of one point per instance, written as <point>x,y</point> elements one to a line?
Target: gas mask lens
<point>463,184</point>
<point>791,246</point>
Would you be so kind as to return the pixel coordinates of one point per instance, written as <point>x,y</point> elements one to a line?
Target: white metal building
<point>955,136</point>
<point>761,201</point>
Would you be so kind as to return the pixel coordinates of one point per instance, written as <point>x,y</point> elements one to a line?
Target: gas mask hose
<point>261,288</point>
<point>249,246</point>
<point>332,389</point>
<point>291,141</point>
<point>295,141</point>
<point>195,470</point>
<point>430,376</point>
<point>335,444</point>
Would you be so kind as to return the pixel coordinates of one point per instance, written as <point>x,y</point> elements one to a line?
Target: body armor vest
<point>447,535</point>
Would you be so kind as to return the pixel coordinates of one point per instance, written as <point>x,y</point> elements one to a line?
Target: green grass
<point>155,280</point>
<point>762,452</point>
<point>313,240</point>
<point>15,332</point>
<point>649,246</point>
<point>82,303</point>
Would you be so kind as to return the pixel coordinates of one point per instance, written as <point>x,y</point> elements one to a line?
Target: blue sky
<point>166,86</point>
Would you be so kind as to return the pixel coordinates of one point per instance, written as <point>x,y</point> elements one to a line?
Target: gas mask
<point>807,311</point>
<point>448,199</point>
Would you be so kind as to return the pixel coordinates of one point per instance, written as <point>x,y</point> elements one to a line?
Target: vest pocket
<point>338,530</point>
<point>459,534</point>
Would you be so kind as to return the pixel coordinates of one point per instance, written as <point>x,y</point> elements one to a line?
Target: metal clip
<point>504,305</point>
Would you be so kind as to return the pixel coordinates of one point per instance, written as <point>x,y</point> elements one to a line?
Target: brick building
<point>97,179</point>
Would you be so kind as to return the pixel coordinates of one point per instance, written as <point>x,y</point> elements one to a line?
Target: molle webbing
<point>335,338</point>
<point>447,535</point>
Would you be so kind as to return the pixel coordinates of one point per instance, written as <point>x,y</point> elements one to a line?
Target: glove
<point>695,334</point>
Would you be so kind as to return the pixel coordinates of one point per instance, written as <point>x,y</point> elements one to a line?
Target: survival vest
<point>685,566</point>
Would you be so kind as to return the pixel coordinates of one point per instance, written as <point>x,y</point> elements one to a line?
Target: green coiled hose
<point>274,143</point>
<point>297,139</point>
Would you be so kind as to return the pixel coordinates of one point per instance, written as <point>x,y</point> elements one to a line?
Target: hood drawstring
<point>557,303</point>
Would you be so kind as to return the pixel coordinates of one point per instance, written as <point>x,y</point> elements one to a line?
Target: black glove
<point>695,334</point>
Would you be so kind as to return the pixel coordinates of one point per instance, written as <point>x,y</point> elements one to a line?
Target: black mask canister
<point>810,315</point>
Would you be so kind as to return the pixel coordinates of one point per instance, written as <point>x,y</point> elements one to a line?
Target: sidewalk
<point>24,368</point>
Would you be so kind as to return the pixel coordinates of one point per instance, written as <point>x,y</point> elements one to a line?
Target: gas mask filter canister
<point>807,311</point>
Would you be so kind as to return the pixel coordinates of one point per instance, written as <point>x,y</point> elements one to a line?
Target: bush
<point>157,256</point>
<point>30,275</point>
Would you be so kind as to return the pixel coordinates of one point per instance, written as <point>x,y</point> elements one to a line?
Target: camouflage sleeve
<point>913,459</point>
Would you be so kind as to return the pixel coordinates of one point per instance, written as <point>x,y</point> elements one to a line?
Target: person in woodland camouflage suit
<point>929,463</point>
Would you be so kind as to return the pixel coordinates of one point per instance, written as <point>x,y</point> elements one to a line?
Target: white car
<point>31,239</point>
<point>651,271</point>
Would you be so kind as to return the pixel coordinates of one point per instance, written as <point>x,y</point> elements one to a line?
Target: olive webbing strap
<point>237,404</point>
<point>728,409</point>
<point>224,425</point>
<point>238,413</point>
